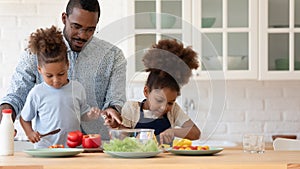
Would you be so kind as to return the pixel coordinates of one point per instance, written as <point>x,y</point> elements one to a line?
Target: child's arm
<point>93,114</point>
<point>32,135</point>
<point>188,130</point>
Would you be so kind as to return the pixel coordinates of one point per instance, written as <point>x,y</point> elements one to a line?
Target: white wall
<point>269,107</point>
<point>18,19</point>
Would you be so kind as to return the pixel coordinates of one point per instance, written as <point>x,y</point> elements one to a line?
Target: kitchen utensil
<point>142,135</point>
<point>283,64</point>
<point>50,133</point>
<point>164,147</point>
<point>285,144</point>
<point>167,20</point>
<point>238,63</point>
<point>208,22</point>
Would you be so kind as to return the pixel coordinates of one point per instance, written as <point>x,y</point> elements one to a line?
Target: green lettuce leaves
<point>131,144</point>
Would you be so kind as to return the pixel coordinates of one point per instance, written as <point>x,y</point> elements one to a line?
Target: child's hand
<point>167,136</point>
<point>94,113</point>
<point>34,136</point>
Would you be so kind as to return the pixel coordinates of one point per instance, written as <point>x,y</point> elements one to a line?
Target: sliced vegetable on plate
<point>57,146</point>
<point>211,151</point>
<point>185,147</point>
<point>89,141</point>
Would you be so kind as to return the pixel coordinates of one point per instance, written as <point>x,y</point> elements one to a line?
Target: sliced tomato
<point>193,147</point>
<point>74,138</point>
<point>80,135</point>
<point>91,141</point>
<point>176,147</point>
<point>72,144</point>
<point>57,146</point>
<point>205,148</point>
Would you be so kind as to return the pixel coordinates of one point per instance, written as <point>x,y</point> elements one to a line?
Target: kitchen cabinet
<point>223,32</point>
<point>229,44</point>
<point>279,39</point>
<point>237,39</point>
<point>153,20</point>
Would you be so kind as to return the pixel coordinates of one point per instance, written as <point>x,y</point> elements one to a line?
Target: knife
<point>50,133</point>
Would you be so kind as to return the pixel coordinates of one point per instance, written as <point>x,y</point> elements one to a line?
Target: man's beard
<point>69,40</point>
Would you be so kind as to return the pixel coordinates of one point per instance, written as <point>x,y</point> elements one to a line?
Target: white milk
<point>6,133</point>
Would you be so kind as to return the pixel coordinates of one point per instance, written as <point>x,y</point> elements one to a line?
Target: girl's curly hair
<point>170,64</point>
<point>48,45</point>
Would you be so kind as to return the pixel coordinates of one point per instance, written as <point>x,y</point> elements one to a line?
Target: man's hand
<point>111,117</point>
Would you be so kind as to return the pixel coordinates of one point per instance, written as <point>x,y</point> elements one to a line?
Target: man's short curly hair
<point>89,5</point>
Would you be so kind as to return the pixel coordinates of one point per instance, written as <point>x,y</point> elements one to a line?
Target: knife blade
<point>50,133</point>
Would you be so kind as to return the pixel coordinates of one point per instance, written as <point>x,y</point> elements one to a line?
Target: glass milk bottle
<point>6,133</point>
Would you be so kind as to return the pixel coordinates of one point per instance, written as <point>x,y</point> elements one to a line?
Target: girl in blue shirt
<point>57,102</point>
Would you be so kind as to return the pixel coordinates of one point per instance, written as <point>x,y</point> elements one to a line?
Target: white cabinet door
<point>155,20</point>
<point>279,39</point>
<point>225,36</point>
<point>223,32</point>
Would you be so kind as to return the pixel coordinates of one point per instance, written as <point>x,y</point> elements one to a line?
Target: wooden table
<point>226,159</point>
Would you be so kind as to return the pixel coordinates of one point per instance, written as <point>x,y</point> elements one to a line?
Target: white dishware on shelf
<point>282,144</point>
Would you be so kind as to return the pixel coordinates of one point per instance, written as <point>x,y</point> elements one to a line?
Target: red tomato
<point>80,137</point>
<point>193,147</point>
<point>203,148</point>
<point>176,147</point>
<point>72,144</point>
<point>73,136</point>
<point>91,141</point>
<point>74,139</point>
<point>79,132</point>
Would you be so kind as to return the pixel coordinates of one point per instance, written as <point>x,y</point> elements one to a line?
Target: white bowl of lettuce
<point>132,143</point>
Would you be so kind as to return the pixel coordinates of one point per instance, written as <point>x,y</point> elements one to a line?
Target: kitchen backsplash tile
<point>261,112</point>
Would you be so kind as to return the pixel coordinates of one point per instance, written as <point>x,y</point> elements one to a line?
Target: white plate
<point>211,151</point>
<point>53,152</point>
<point>132,154</point>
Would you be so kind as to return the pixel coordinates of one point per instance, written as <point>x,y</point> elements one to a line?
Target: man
<point>98,65</point>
